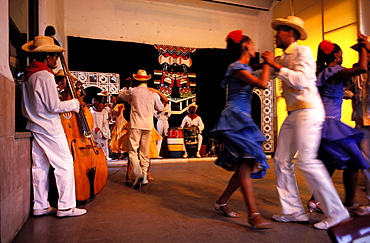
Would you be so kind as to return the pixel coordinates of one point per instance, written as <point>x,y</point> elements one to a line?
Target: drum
<point>175,141</point>
<point>191,140</point>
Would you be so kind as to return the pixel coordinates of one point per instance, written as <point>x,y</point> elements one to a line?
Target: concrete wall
<point>15,162</point>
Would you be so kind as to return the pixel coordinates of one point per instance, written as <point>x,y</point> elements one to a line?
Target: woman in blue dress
<point>241,137</point>
<point>338,148</point>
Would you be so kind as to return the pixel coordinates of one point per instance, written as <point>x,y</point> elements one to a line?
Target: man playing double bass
<point>41,106</point>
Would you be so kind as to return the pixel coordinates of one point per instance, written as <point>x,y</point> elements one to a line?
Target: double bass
<point>90,165</point>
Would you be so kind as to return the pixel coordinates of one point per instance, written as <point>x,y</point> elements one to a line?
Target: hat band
<point>141,76</point>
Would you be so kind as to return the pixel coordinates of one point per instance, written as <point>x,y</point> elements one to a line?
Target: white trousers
<point>301,132</point>
<point>365,149</point>
<point>162,128</point>
<point>139,140</point>
<point>52,150</point>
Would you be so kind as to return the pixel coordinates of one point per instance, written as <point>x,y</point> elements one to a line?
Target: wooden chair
<point>355,229</point>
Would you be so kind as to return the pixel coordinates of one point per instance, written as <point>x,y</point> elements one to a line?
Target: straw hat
<point>142,76</point>
<point>291,21</point>
<point>61,73</point>
<point>196,107</point>
<point>42,44</point>
<point>356,46</point>
<point>103,93</point>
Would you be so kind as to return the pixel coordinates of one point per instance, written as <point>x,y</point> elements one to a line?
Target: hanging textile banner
<point>173,80</point>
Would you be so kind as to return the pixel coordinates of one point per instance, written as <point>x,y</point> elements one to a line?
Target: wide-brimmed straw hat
<point>61,73</point>
<point>357,46</point>
<point>103,93</point>
<point>192,105</point>
<point>42,44</point>
<point>142,76</point>
<point>291,21</point>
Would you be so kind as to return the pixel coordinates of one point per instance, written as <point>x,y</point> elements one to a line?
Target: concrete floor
<point>176,207</point>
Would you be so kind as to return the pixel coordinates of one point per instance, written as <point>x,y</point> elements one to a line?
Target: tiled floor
<point>176,207</point>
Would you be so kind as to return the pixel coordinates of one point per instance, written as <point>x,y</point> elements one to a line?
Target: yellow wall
<point>333,20</point>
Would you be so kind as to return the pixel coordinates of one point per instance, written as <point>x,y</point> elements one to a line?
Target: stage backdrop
<point>126,58</point>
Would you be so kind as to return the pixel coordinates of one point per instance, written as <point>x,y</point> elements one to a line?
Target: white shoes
<point>145,181</point>
<point>196,155</point>
<point>46,211</point>
<point>291,218</point>
<point>73,212</point>
<point>329,222</point>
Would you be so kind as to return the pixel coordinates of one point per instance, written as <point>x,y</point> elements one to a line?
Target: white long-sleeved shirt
<point>143,103</point>
<point>163,116</point>
<point>193,122</point>
<point>299,78</point>
<point>41,104</point>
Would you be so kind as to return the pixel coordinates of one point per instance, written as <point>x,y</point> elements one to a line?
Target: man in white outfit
<point>42,107</point>
<point>193,120</point>
<point>162,123</point>
<point>301,130</point>
<point>143,101</point>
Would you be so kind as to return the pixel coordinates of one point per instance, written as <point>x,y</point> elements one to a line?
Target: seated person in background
<point>193,120</point>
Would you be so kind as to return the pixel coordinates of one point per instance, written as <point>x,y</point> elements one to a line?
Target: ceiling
<point>233,6</point>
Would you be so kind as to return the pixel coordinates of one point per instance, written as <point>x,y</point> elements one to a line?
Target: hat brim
<point>29,47</point>
<point>192,105</point>
<point>355,47</point>
<point>149,76</point>
<point>281,21</point>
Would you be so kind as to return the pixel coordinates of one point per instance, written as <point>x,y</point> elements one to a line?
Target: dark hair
<point>296,33</point>
<point>98,98</point>
<point>323,59</point>
<point>235,49</point>
<point>40,56</point>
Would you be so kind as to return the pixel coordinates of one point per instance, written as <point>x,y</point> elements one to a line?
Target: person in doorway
<point>193,120</point>
<point>236,129</point>
<point>162,124</point>
<point>101,132</point>
<point>143,101</point>
<point>301,130</point>
<point>42,107</point>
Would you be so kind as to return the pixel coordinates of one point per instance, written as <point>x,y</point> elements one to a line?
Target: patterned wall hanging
<point>173,80</point>
<point>268,116</point>
<point>109,82</point>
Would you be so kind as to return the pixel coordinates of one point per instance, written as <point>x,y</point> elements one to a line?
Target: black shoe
<point>137,183</point>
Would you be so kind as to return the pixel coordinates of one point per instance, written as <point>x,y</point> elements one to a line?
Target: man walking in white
<point>143,102</point>
<point>301,130</point>
<point>162,124</point>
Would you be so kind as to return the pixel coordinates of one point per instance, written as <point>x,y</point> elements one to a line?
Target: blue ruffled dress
<point>236,128</point>
<point>339,141</point>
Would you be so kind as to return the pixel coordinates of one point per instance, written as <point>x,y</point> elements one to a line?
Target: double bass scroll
<point>90,165</point>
